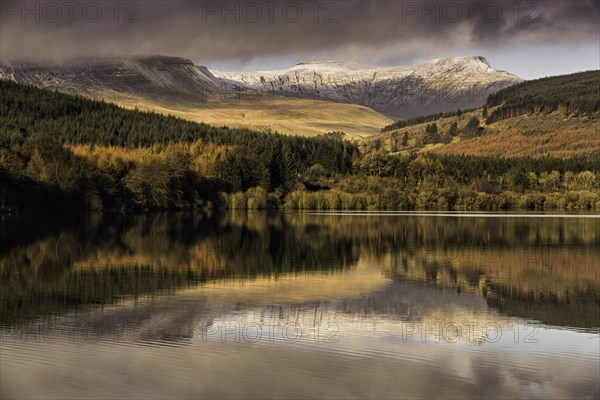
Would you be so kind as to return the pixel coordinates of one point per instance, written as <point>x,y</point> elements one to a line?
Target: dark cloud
<point>240,31</point>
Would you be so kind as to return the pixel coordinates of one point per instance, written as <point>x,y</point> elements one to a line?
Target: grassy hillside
<point>289,116</point>
<point>536,135</point>
<point>556,116</point>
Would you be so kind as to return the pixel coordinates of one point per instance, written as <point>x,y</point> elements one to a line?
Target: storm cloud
<point>238,32</point>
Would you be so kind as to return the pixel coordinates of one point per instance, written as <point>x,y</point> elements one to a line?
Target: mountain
<point>164,80</point>
<point>175,86</point>
<point>435,86</point>
<point>308,99</point>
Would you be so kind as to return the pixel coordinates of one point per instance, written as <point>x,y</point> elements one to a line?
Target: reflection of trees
<point>536,268</point>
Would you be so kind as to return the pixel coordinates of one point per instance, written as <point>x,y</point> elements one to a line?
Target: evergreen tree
<point>431,134</point>
<point>405,139</point>
<point>394,142</point>
<point>472,128</point>
<point>453,131</point>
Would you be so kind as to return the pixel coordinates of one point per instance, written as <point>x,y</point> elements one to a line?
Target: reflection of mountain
<point>519,291</point>
<point>157,348</point>
<point>544,269</point>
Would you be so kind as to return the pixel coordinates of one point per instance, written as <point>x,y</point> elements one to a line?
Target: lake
<point>300,305</point>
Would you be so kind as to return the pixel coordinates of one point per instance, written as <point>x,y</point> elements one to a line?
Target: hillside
<point>301,117</point>
<point>577,94</point>
<point>175,86</point>
<point>556,116</point>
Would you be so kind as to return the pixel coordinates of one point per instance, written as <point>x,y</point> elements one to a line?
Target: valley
<point>533,145</point>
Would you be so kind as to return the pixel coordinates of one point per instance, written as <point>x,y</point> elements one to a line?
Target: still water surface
<point>259,305</point>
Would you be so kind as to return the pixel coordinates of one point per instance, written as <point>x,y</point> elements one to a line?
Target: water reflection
<point>353,306</point>
<point>541,269</point>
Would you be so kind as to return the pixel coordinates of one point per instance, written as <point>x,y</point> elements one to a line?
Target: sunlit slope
<point>556,116</point>
<point>285,115</point>
<point>555,134</point>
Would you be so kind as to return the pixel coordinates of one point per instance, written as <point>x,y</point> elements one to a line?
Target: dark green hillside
<point>36,123</point>
<point>26,110</point>
<point>575,93</point>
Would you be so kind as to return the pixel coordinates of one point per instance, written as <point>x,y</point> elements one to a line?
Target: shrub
<point>257,198</point>
<point>238,201</point>
<point>308,201</point>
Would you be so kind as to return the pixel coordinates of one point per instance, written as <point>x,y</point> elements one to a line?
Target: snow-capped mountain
<point>437,85</point>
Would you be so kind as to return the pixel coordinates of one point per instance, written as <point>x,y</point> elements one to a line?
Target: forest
<point>403,123</point>
<point>574,93</point>
<point>64,152</point>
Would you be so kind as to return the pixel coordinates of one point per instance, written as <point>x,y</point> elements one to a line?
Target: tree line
<point>574,93</point>
<point>403,123</point>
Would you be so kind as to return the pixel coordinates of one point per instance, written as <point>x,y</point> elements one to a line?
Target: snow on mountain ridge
<point>442,84</point>
<point>474,62</point>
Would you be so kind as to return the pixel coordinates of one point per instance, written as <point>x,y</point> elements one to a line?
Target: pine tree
<point>453,131</point>
<point>394,142</point>
<point>405,139</point>
<point>431,134</point>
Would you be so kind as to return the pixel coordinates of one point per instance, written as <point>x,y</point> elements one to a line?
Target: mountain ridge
<point>164,79</point>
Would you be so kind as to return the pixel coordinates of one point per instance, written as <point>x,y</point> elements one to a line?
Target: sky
<point>528,38</point>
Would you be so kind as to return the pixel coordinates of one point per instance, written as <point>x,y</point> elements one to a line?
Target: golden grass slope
<point>290,116</point>
<point>534,135</point>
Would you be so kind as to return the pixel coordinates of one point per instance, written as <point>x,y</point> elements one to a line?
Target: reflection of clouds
<point>401,310</point>
<point>374,368</point>
<point>356,300</point>
<point>161,354</point>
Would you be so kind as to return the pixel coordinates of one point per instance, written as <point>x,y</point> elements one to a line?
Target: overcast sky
<point>531,39</point>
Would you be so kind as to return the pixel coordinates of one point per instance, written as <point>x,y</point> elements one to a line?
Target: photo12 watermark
<point>253,332</point>
<point>232,332</point>
<point>271,12</point>
<point>469,11</point>
<point>473,332</point>
<point>69,12</point>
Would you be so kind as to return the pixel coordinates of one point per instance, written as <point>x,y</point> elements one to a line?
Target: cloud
<point>238,32</point>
